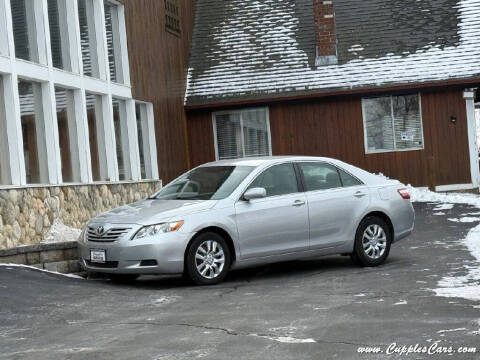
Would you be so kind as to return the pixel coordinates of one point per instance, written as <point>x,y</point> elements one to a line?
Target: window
<point>121,138</point>
<point>3,30</point>
<point>58,33</point>
<point>140,111</point>
<point>87,37</point>
<point>277,180</point>
<point>393,123</point>
<point>93,103</point>
<point>320,176</point>
<point>24,32</point>
<point>242,133</point>
<point>172,17</point>
<point>205,183</point>
<point>113,42</point>
<point>4,174</point>
<point>64,99</point>
<point>31,118</point>
<point>348,180</point>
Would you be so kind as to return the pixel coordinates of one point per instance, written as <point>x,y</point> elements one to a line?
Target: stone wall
<point>27,214</point>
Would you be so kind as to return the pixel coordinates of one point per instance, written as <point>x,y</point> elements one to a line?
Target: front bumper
<point>125,256</point>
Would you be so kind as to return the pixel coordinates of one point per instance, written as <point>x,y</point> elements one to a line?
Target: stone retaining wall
<point>27,214</point>
<point>59,257</point>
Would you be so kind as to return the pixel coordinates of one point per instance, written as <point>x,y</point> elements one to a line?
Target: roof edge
<point>260,100</point>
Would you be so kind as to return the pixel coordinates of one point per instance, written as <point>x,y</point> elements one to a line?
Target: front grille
<point>109,235</point>
<point>105,265</point>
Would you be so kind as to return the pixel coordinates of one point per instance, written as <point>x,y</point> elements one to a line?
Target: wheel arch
<point>382,215</point>
<point>220,231</point>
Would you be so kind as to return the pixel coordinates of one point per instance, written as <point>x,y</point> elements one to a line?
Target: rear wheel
<point>208,259</point>
<point>372,242</point>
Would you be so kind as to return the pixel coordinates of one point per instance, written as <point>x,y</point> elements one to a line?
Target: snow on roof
<point>254,49</point>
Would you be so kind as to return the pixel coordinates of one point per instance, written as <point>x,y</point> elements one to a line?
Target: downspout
<point>469,96</point>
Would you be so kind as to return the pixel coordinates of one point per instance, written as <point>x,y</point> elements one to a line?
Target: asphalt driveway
<point>318,309</point>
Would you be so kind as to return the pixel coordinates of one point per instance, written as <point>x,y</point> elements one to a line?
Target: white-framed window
<point>392,123</point>
<point>242,133</point>
<point>59,42</point>
<point>146,140</point>
<point>60,103</point>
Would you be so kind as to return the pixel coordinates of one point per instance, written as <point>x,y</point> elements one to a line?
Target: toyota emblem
<point>100,230</point>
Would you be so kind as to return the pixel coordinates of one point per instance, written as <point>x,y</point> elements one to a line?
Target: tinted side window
<point>320,176</point>
<point>277,180</point>
<point>348,180</point>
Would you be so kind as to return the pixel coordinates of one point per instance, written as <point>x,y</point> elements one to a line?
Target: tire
<point>123,278</point>
<point>208,259</point>
<point>374,251</point>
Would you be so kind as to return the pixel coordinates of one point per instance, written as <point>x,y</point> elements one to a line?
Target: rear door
<point>336,200</point>
<point>277,224</point>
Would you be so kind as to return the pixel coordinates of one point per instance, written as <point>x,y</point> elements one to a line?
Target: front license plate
<point>98,256</point>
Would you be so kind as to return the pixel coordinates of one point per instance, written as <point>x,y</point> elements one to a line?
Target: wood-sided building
<point>384,85</point>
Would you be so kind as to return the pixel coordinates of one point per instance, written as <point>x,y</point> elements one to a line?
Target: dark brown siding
<point>158,68</point>
<point>334,128</point>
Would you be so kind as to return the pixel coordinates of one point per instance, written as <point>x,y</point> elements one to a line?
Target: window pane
<point>56,19</point>
<point>4,173</point>
<point>24,29</point>
<point>408,122</point>
<point>348,180</point>
<point>318,176</point>
<point>255,132</point>
<point>277,180</point>
<point>64,102</point>
<point>110,12</point>
<point>118,105</point>
<point>92,134</point>
<point>87,37</point>
<point>139,109</point>
<point>229,136</point>
<point>378,123</point>
<point>30,102</point>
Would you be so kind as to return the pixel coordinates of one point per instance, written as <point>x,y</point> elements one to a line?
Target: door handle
<point>359,194</point>
<point>299,203</point>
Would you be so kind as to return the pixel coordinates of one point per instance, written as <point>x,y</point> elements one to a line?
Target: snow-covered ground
<point>59,232</point>
<point>465,286</point>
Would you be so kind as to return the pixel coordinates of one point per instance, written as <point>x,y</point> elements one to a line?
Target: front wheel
<point>372,242</point>
<point>208,259</point>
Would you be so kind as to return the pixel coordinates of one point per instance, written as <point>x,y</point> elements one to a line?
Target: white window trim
<point>11,69</point>
<point>379,151</point>
<point>240,111</point>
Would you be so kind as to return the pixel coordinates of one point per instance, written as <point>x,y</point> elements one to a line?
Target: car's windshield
<point>205,183</point>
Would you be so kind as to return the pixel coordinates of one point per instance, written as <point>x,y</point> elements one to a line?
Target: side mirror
<point>255,193</point>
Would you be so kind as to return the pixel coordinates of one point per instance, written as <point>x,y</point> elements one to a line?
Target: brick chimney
<point>325,33</point>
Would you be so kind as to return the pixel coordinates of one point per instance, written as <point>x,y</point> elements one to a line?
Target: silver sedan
<point>237,213</point>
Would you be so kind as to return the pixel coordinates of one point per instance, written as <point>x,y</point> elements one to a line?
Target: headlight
<point>153,230</point>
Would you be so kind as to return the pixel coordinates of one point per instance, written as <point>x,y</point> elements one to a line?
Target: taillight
<point>404,193</point>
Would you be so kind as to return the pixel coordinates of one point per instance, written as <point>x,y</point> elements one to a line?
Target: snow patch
<point>439,213</point>
<point>464,286</point>
<point>10,266</point>
<point>59,232</point>
<point>465,219</point>
<point>286,339</point>
<point>401,302</point>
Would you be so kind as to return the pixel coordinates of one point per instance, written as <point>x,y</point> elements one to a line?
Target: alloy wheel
<point>209,259</point>
<point>374,241</point>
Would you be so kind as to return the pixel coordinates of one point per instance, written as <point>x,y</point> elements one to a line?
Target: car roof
<point>263,160</point>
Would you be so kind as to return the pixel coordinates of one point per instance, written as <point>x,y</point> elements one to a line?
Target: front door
<point>278,223</point>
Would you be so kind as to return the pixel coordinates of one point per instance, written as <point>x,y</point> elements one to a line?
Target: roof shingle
<point>255,49</point>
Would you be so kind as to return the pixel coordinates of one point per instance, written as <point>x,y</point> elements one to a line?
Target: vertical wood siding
<point>334,128</point>
<point>158,68</point>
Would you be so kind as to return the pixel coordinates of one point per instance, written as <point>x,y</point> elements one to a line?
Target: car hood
<point>148,212</point>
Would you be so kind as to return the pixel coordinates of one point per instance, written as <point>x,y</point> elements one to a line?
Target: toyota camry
<point>231,214</point>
